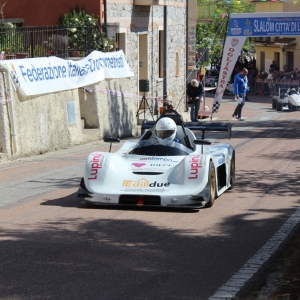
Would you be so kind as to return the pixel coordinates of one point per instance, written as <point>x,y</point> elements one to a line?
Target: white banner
<point>232,50</point>
<point>52,74</point>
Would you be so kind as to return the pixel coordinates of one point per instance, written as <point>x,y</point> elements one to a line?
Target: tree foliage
<point>83,30</point>
<point>211,35</point>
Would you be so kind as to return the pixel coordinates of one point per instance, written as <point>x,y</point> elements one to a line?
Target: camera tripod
<point>144,102</point>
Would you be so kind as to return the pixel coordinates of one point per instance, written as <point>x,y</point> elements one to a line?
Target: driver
<point>165,131</point>
<point>292,91</point>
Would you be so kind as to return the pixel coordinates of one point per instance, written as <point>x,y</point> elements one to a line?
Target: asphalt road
<point>54,247</point>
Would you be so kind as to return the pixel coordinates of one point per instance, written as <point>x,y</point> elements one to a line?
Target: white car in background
<point>290,100</point>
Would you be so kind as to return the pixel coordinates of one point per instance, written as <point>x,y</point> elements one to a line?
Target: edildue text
<point>71,69</point>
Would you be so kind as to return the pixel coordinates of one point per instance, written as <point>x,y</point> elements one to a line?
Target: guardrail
<point>271,87</point>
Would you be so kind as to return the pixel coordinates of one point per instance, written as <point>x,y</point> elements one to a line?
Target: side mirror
<point>111,140</point>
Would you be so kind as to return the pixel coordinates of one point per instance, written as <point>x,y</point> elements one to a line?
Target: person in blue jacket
<point>240,90</point>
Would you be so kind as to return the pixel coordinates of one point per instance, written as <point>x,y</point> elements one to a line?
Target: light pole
<point>165,82</point>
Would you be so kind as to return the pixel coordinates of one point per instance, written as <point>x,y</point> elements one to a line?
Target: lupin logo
<point>195,165</point>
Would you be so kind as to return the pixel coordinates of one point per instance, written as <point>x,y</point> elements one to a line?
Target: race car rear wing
<point>210,126</point>
<point>202,126</point>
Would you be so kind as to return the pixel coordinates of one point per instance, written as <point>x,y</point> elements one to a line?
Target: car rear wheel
<point>279,105</point>
<point>212,185</point>
<point>232,170</point>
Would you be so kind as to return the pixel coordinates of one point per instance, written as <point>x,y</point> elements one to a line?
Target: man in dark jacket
<point>195,92</point>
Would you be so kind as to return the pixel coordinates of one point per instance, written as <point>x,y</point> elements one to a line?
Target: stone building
<point>141,37</point>
<point>41,126</point>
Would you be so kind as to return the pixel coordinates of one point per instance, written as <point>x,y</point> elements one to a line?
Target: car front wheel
<point>212,185</point>
<point>232,170</point>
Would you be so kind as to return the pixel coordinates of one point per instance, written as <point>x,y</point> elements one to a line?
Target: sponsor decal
<point>234,42</point>
<point>248,32</point>
<point>236,31</point>
<point>97,163</point>
<point>196,163</point>
<point>228,60</point>
<point>107,199</point>
<point>138,165</point>
<point>156,159</point>
<point>143,191</point>
<point>150,167</point>
<point>143,183</point>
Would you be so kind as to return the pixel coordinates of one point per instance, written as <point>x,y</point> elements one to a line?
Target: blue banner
<point>272,26</point>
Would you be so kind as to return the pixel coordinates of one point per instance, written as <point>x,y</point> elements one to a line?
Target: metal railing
<point>272,87</point>
<point>60,41</point>
<point>206,10</point>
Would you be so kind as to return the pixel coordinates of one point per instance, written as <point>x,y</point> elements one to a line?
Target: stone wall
<point>53,121</point>
<point>112,114</point>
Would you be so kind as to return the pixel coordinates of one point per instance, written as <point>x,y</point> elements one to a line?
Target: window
<point>121,39</point>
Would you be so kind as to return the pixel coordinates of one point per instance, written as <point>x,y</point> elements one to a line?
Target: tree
<point>212,36</point>
<point>84,32</point>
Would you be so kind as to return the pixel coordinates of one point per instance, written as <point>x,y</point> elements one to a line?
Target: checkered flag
<point>215,107</point>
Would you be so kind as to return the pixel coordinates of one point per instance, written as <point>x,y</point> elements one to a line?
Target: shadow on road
<point>73,201</point>
<point>122,259</point>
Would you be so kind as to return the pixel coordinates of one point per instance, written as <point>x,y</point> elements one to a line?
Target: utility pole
<point>165,83</point>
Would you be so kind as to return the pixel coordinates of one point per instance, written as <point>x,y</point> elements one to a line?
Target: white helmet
<point>165,130</point>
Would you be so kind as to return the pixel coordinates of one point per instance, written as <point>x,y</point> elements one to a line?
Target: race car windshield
<point>152,147</point>
<point>164,134</point>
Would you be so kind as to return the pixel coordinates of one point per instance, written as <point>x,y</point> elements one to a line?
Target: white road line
<point>234,285</point>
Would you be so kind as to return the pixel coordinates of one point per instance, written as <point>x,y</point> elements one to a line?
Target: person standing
<point>240,90</point>
<point>195,92</point>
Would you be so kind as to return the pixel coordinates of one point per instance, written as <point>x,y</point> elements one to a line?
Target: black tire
<point>232,170</point>
<point>273,103</point>
<point>212,185</point>
<point>279,105</point>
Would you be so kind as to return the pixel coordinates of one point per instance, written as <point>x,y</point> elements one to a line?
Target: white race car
<point>186,173</point>
<point>291,100</point>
